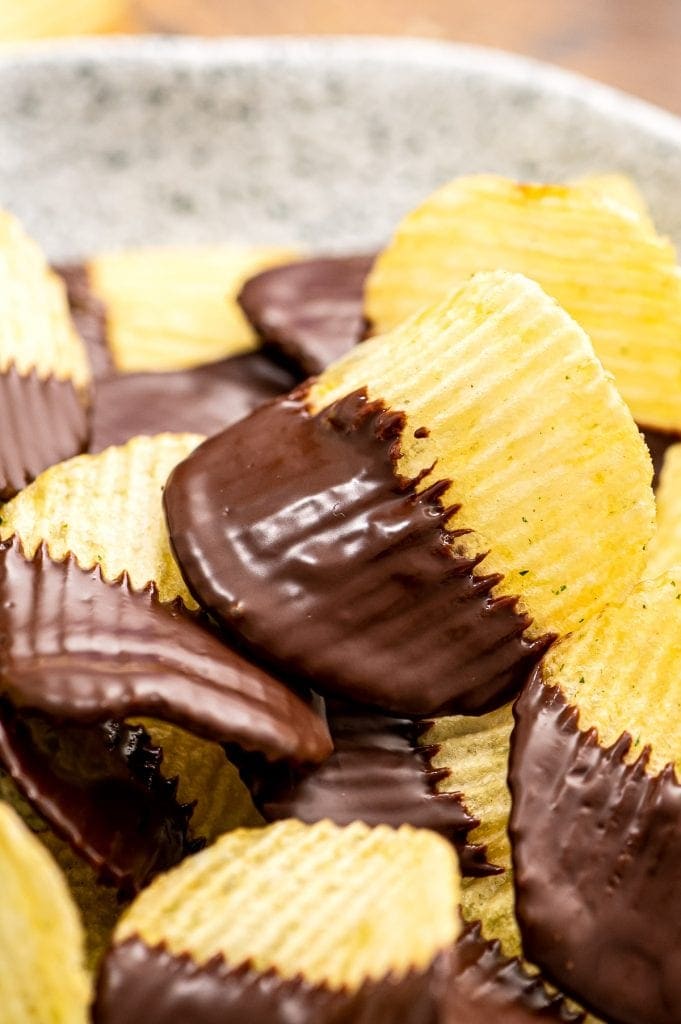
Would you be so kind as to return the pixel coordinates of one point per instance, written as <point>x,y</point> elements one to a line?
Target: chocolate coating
<point>142,984</point>
<point>77,657</point>
<point>77,648</point>
<point>377,774</point>
<point>474,984</point>
<point>309,313</point>
<point>89,316</point>
<point>597,847</point>
<point>100,787</point>
<point>296,532</point>
<point>203,400</point>
<point>42,422</point>
<point>487,987</point>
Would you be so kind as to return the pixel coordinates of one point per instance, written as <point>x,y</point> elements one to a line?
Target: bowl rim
<point>195,52</point>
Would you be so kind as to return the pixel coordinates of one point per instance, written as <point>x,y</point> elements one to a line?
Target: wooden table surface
<point>634,44</point>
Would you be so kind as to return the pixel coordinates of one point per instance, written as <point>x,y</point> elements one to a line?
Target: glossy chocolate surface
<point>77,648</point>
<point>474,984</point>
<point>41,422</point>
<point>309,313</point>
<point>203,400</point>
<point>486,987</point>
<point>378,774</point>
<point>297,534</point>
<point>142,984</point>
<point>89,316</point>
<point>100,787</point>
<point>597,847</point>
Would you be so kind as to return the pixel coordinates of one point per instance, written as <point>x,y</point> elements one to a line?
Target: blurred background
<point>633,44</point>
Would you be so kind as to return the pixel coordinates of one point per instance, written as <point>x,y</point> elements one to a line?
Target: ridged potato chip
<point>335,906</point>
<point>36,332</point>
<point>44,367</point>
<point>474,750</point>
<point>595,255</point>
<point>42,972</point>
<point>206,778</point>
<point>596,816</point>
<point>539,446</point>
<point>106,510</point>
<point>619,688</point>
<point>171,309</point>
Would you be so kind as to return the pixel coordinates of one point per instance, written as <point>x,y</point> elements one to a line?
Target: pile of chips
<point>339,623</point>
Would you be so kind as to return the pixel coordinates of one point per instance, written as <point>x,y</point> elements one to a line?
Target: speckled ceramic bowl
<point>322,141</point>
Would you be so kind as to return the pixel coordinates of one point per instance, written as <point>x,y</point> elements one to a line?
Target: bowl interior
<point>325,142</point>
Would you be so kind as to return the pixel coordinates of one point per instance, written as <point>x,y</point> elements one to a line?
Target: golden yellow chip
<point>106,510</point>
<point>36,332</point>
<point>206,778</point>
<point>621,671</point>
<point>597,256</point>
<point>475,750</point>
<point>664,550</point>
<point>42,973</point>
<point>546,463</point>
<point>335,906</point>
<point>171,309</point>
<point>99,905</point>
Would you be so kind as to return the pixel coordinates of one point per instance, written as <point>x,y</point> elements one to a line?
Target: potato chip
<point>42,972</point>
<point>597,256</point>
<point>206,778</point>
<point>171,309</point>
<point>596,818</point>
<point>539,446</point>
<point>44,368</point>
<point>36,332</point>
<point>328,906</point>
<point>106,510</point>
<point>474,751</point>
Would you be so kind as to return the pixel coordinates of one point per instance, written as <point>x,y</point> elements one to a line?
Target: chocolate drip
<point>309,313</point>
<point>203,400</point>
<point>658,441</point>
<point>89,316</point>
<point>101,788</point>
<point>296,532</point>
<point>77,648</point>
<point>474,984</point>
<point>377,774</point>
<point>597,847</point>
<point>42,422</point>
<point>487,987</point>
